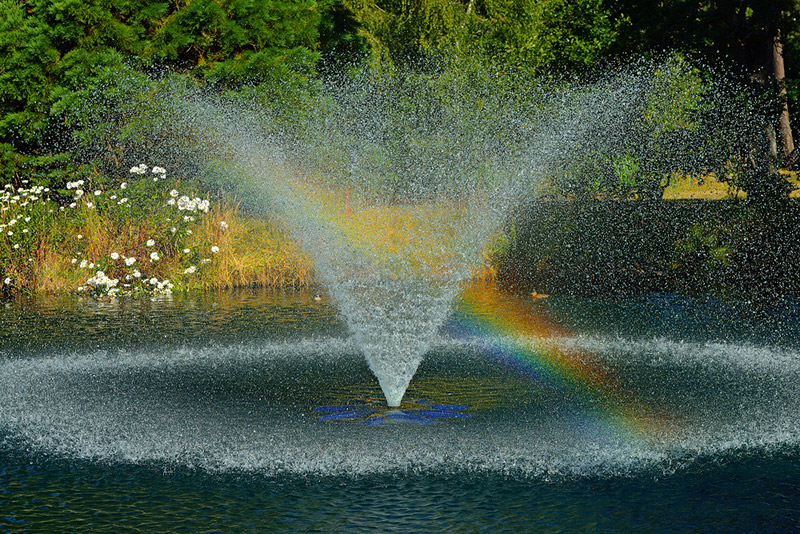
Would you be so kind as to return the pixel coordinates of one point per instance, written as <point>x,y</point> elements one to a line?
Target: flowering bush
<point>157,224</point>
<point>24,213</point>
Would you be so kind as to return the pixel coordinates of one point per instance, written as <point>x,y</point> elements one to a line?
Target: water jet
<point>397,182</point>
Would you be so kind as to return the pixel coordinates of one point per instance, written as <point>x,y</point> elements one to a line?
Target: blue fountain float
<point>418,412</point>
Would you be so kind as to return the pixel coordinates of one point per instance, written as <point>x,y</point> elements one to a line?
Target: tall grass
<point>147,234</point>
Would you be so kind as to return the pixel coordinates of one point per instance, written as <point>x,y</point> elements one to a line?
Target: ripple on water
<point>250,408</point>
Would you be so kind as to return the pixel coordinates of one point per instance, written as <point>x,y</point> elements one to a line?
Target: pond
<point>253,411</point>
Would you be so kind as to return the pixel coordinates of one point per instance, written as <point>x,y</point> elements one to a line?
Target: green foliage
<point>639,126</point>
<point>78,71</point>
<point>549,33</point>
<point>533,34</point>
<point>400,31</point>
<point>238,40</point>
<point>679,92</point>
<point>739,35</point>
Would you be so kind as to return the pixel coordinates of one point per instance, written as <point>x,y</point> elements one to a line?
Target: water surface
<point>659,414</point>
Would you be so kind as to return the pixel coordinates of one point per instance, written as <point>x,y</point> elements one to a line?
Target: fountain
<point>256,411</point>
<point>395,182</point>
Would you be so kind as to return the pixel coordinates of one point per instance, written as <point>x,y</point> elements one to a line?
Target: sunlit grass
<point>146,235</point>
<point>702,187</point>
<point>252,252</point>
<point>424,238</point>
<point>711,188</point>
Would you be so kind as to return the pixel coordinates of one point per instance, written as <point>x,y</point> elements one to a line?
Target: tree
<point>542,34</point>
<point>74,67</point>
<point>533,34</point>
<point>747,36</point>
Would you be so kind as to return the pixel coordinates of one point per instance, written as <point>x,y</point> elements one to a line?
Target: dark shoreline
<point>614,247</point>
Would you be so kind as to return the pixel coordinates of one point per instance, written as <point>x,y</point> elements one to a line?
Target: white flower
<point>150,243</point>
<point>136,273</point>
<point>80,236</point>
<point>223,225</point>
<point>74,260</point>
<point>130,261</point>
<point>171,202</point>
<point>154,256</point>
<point>16,245</point>
<point>123,185</point>
<point>139,169</point>
<point>90,205</point>
<point>187,250</point>
<point>190,270</point>
<point>114,256</point>
<point>173,193</point>
<point>7,281</point>
<point>97,193</point>
<point>24,230</point>
<point>214,249</point>
<point>185,203</point>
<point>173,229</point>
<point>72,205</point>
<point>113,197</point>
<point>159,170</point>
<point>10,232</point>
<point>153,281</point>
<point>27,219</point>
<point>83,264</point>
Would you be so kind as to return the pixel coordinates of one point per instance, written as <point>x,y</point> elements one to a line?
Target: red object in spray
<point>347,202</point>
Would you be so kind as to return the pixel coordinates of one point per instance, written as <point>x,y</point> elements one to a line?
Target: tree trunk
<point>787,142</point>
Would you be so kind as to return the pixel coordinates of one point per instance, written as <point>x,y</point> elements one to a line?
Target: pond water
<point>254,412</point>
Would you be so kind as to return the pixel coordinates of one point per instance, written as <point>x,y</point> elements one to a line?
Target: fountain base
<point>418,412</point>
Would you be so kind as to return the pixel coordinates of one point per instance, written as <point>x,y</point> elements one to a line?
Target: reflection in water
<point>47,323</point>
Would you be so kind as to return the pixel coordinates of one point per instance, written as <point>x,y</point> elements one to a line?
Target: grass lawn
<point>709,188</point>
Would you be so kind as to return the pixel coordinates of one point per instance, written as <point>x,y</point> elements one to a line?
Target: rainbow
<point>518,336</point>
